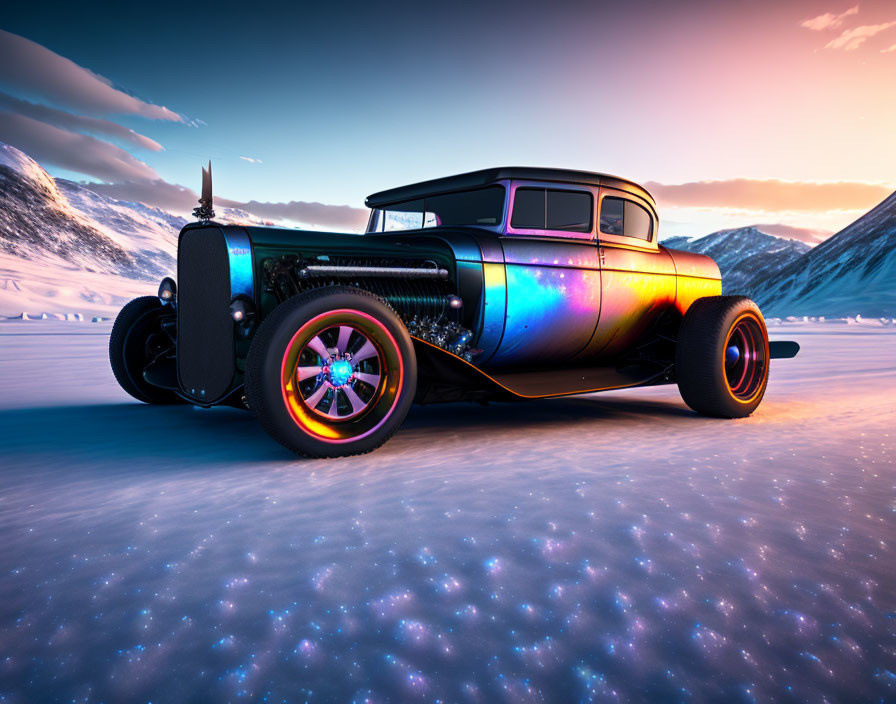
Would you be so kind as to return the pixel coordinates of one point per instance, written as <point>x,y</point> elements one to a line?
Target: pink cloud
<point>852,39</point>
<point>770,195</point>
<point>888,50</point>
<point>30,67</point>
<point>182,200</point>
<point>828,20</point>
<point>803,234</point>
<point>60,118</point>
<point>71,150</point>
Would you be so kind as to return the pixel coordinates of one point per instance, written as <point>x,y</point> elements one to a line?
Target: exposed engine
<point>418,291</point>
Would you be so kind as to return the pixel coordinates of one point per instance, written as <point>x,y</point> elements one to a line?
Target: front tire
<point>136,340</point>
<point>331,372</point>
<point>722,356</point>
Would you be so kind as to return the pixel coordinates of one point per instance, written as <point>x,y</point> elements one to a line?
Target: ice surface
<point>613,547</point>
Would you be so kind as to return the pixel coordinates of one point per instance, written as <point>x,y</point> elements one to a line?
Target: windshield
<point>482,206</point>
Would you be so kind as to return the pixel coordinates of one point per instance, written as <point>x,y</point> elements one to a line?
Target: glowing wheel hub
<point>340,372</point>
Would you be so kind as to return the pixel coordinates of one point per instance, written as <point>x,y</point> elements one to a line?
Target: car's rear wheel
<point>722,356</point>
<point>137,339</point>
<point>331,372</point>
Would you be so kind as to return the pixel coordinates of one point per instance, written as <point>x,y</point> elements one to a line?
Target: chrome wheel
<point>746,358</point>
<point>339,373</point>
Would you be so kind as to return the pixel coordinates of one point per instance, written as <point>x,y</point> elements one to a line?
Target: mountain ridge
<point>742,253</point>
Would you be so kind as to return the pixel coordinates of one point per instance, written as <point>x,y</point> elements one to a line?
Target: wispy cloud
<point>251,160</point>
<point>803,234</point>
<point>852,39</point>
<point>888,50</point>
<point>829,20</point>
<point>182,200</point>
<point>80,123</point>
<point>770,195</point>
<point>70,150</point>
<point>30,67</point>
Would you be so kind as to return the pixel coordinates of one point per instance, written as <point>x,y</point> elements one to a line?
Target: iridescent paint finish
<point>553,300</point>
<point>239,253</point>
<point>698,276</point>
<point>492,310</point>
<point>638,285</point>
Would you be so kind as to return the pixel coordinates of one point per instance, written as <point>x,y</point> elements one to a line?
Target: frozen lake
<point>608,547</point>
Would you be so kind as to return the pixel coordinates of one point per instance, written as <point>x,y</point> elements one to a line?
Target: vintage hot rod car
<point>501,284</point>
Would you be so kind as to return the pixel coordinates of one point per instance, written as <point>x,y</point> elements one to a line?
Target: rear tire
<point>131,346</point>
<point>722,356</point>
<point>331,372</point>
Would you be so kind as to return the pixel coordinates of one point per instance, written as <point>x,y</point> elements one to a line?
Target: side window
<point>611,216</point>
<point>528,209</point>
<point>569,210</point>
<point>637,221</point>
<point>624,217</point>
<point>540,209</point>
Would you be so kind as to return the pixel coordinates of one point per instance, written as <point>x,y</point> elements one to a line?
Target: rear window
<point>546,209</point>
<point>624,217</point>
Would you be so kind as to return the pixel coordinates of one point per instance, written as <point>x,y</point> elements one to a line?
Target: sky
<point>731,113</point>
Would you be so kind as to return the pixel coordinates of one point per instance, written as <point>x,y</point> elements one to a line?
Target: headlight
<point>167,290</point>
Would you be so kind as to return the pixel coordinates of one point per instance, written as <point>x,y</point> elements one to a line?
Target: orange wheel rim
<point>745,358</point>
<point>341,375</point>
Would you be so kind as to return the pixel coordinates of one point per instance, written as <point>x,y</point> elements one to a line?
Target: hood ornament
<point>205,211</point>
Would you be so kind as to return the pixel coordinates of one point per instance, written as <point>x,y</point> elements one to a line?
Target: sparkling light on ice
<point>614,547</point>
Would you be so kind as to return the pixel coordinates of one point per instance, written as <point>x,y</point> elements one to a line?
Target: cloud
<point>60,118</point>
<point>251,160</point>
<point>770,195</point>
<point>852,39</point>
<point>312,213</point>
<point>828,20</point>
<point>182,200</point>
<point>888,50</point>
<point>34,69</point>
<point>71,150</point>
<point>803,234</point>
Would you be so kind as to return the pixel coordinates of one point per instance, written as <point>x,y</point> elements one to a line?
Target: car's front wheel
<point>331,372</point>
<point>137,340</point>
<point>722,356</point>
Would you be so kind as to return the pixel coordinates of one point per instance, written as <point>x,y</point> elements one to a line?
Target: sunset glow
<point>768,112</point>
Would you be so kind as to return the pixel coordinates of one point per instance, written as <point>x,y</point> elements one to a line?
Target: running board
<point>783,349</point>
<point>453,370</point>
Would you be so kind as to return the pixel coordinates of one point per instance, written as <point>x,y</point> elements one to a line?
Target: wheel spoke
<point>334,406</point>
<point>372,379</point>
<point>318,346</point>
<point>345,332</point>
<point>366,352</point>
<point>307,372</point>
<point>354,399</point>
<point>315,398</point>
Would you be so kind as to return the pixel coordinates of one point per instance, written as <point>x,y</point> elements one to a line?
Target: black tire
<point>128,350</point>
<point>290,407</point>
<point>714,379</point>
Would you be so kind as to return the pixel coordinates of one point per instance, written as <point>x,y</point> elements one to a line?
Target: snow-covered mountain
<point>743,254</point>
<point>853,272</point>
<point>66,249</point>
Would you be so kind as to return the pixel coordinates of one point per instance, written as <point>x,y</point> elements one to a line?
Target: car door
<point>551,272</point>
<point>637,276</point>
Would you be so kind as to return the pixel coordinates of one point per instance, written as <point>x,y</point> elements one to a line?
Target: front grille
<point>205,353</point>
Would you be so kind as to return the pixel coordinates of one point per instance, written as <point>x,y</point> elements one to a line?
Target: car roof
<point>484,177</point>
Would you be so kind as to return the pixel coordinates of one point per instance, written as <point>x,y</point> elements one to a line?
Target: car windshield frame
<point>378,222</point>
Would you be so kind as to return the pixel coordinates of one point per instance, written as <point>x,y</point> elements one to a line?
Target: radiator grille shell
<point>205,337</point>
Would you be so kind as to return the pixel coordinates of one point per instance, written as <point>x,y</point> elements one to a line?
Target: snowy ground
<point>611,547</point>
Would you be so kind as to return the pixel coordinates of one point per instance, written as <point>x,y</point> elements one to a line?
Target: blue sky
<point>334,102</point>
